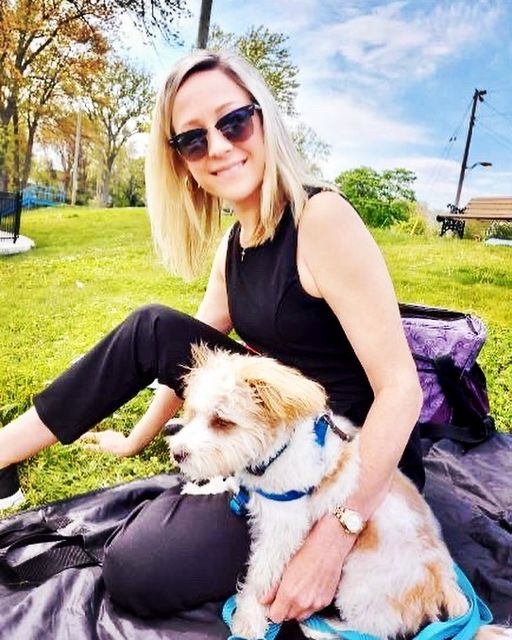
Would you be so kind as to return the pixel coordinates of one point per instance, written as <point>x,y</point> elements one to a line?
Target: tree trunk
<point>27,163</point>
<point>106,175</point>
<point>6,163</point>
<point>15,178</point>
<point>4,172</point>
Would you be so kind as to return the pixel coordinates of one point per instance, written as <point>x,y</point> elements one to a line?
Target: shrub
<point>415,225</point>
<point>497,229</point>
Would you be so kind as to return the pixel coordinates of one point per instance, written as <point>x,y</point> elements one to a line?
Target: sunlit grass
<point>91,268</point>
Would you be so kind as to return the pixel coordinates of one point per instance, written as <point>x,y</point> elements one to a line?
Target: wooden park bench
<point>476,209</point>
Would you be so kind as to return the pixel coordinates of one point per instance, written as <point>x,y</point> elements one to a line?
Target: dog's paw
<point>250,621</point>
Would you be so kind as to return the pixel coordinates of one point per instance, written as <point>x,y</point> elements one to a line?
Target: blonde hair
<point>185,220</point>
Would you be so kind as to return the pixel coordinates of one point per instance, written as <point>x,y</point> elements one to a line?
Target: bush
<point>376,213</point>
<point>502,230</point>
<point>381,199</point>
<point>416,225</point>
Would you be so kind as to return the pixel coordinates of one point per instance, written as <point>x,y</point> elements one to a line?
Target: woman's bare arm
<point>339,261</point>
<point>214,311</point>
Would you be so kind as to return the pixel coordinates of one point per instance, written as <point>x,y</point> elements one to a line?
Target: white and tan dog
<point>242,412</point>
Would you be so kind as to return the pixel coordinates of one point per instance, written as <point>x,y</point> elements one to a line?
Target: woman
<point>299,277</point>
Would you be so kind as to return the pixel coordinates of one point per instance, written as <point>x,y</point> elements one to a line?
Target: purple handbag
<point>445,345</point>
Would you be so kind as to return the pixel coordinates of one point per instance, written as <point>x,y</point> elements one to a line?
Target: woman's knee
<point>150,314</point>
<point>178,552</point>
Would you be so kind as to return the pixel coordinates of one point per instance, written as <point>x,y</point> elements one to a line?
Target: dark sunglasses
<point>235,126</point>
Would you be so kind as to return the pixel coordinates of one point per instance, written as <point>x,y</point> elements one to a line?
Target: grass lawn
<point>92,267</point>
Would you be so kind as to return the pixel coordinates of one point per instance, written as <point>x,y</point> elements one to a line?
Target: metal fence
<point>35,195</point>
<point>10,215</point>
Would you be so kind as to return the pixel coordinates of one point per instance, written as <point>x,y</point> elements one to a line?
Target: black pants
<point>176,551</point>
<point>153,342</point>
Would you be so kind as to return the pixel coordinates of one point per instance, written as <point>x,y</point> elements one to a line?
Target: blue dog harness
<point>462,627</point>
<point>238,502</point>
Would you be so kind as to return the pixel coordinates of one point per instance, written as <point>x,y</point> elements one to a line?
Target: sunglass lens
<point>193,147</point>
<point>237,126</point>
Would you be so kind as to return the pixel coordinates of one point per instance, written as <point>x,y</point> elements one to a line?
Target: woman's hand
<point>107,442</point>
<point>310,580</point>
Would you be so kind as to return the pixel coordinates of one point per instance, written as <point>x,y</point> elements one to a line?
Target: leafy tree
<point>121,99</point>
<point>154,16</point>
<point>58,134</point>
<point>267,52</point>
<point>128,187</point>
<point>43,43</point>
<point>47,47</point>
<point>381,198</point>
<point>311,147</point>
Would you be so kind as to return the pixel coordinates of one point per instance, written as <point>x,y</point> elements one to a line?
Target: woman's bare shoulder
<point>329,218</point>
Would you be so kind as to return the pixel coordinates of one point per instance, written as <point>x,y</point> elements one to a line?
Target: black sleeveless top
<point>272,313</point>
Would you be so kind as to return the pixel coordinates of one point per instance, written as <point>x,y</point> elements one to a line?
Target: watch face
<point>353,521</point>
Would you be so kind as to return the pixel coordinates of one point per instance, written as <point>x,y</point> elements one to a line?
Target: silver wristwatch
<point>351,521</point>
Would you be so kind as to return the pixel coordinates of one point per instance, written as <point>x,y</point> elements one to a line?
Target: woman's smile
<point>229,170</point>
<point>232,171</point>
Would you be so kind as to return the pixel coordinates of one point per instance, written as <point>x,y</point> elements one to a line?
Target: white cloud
<point>389,43</point>
<point>357,132</point>
<point>290,18</point>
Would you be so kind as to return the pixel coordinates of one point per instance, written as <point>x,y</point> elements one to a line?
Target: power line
<point>499,90</point>
<point>449,146</point>
<point>497,137</point>
<point>455,134</point>
<point>496,133</point>
<point>499,113</point>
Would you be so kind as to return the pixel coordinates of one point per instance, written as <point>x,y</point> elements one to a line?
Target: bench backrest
<point>492,208</point>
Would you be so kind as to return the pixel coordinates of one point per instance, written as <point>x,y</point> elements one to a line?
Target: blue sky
<point>387,84</point>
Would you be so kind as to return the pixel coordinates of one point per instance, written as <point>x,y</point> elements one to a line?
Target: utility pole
<point>477,96</point>
<point>74,186</point>
<point>204,24</point>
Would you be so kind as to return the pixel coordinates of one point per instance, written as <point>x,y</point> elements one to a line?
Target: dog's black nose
<point>180,455</point>
<point>172,428</point>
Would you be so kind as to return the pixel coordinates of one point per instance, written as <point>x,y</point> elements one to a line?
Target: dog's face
<point>235,408</point>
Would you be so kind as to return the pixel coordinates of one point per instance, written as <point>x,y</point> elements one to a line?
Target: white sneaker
<point>13,500</point>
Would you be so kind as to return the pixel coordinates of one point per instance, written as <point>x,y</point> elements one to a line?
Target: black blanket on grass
<point>470,492</point>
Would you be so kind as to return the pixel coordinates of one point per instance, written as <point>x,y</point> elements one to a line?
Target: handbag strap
<point>478,427</point>
<point>466,435</point>
<point>60,552</point>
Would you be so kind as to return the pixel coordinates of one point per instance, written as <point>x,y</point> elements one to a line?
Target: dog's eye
<point>217,422</point>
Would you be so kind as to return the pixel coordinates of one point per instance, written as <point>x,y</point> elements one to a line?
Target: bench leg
<point>457,226</point>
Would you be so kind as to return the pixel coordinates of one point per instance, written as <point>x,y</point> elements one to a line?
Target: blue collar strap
<point>463,627</point>
<point>320,427</point>
<point>286,496</point>
<point>260,469</point>
<point>238,502</point>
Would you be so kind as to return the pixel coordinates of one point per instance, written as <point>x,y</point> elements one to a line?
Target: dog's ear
<point>199,354</point>
<point>282,393</point>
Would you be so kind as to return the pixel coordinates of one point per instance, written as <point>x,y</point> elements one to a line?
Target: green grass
<point>92,267</point>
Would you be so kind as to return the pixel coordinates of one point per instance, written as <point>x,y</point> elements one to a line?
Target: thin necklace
<point>242,254</point>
